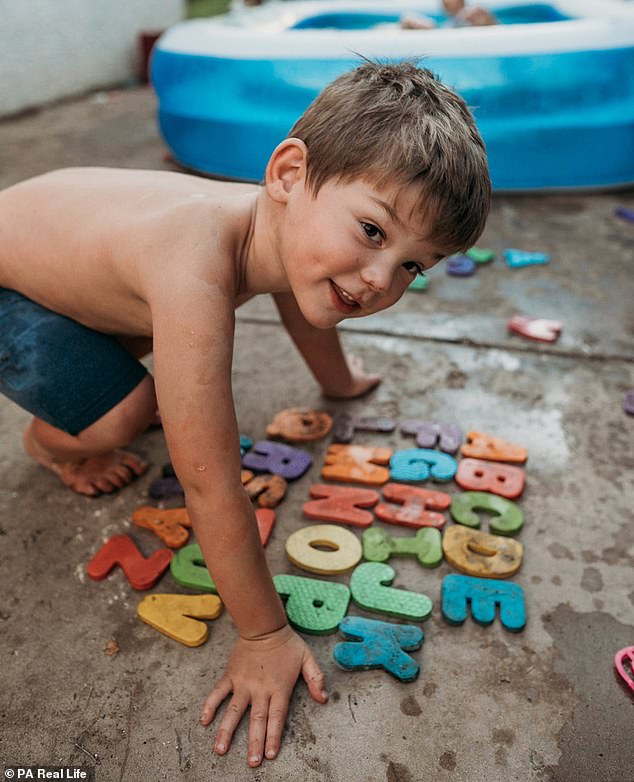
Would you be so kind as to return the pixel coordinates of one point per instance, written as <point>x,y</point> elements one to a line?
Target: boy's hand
<point>358,382</point>
<point>262,674</point>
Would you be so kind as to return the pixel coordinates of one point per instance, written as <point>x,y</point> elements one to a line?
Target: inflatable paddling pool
<point>551,85</point>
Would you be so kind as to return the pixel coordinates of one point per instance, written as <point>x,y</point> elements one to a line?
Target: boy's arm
<point>193,340</point>
<point>338,374</point>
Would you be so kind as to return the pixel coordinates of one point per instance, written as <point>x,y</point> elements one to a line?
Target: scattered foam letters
<point>121,550</point>
<point>516,259</point>
<point>341,504</point>
<point>419,464</point>
<point>460,266</point>
<point>357,464</point>
<point>162,488</point>
<point>480,554</point>
<point>538,329</point>
<point>483,595</point>
<point>373,644</point>
<point>278,458</point>
<point>298,424</point>
<point>624,662</point>
<point>177,615</point>
<point>430,434</point>
<point>481,445</point>
<point>408,506</point>
<point>342,549</point>
<point>346,425</point>
<point>508,517</point>
<point>495,477</point>
<point>188,569</point>
<point>268,490</point>
<point>171,525</point>
<point>425,545</point>
<point>370,589</point>
<point>312,605</point>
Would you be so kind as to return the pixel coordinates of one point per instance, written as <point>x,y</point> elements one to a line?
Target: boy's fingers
<point>214,699</point>
<point>278,709</point>
<point>314,678</point>
<point>232,716</point>
<point>257,731</point>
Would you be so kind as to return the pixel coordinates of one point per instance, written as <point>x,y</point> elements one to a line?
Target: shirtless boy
<point>383,176</point>
<point>458,15</point>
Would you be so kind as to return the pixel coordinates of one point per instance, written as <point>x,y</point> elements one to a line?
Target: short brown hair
<point>397,123</point>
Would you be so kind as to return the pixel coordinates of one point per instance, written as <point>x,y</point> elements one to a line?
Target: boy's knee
<point>126,420</point>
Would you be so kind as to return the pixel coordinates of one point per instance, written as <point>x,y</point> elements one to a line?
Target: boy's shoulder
<point>105,177</point>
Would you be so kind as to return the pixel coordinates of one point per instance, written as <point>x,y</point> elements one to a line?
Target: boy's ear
<point>286,168</point>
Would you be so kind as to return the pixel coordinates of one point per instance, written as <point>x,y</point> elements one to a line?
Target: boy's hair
<point>398,124</point>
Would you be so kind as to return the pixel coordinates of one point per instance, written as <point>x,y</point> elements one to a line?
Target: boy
<point>383,176</point>
<point>458,15</point>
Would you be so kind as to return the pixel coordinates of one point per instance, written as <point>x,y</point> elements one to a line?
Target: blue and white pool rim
<point>551,86</point>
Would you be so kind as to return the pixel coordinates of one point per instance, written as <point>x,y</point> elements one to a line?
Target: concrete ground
<point>489,705</point>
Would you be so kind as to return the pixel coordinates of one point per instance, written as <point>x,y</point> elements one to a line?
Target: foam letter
<point>508,518</point>
<point>357,464</point>
<point>480,554</point>
<point>378,645</point>
<point>411,508</point>
<point>189,570</point>
<point>341,504</point>
<point>370,589</point>
<point>502,479</point>
<point>624,661</point>
<point>120,550</point>
<point>480,445</point>
<point>162,488</point>
<point>298,424</point>
<point>419,464</point>
<point>426,546</point>
<point>265,519</point>
<point>343,549</point>
<point>269,490</point>
<point>346,425</point>
<point>176,615</point>
<point>430,433</point>
<point>245,444</point>
<point>168,524</point>
<point>277,458</point>
<point>313,606</point>
<point>483,595</point>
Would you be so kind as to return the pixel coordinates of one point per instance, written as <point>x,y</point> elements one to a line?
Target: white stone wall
<point>53,48</point>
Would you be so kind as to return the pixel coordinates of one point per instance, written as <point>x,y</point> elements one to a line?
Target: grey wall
<point>53,48</point>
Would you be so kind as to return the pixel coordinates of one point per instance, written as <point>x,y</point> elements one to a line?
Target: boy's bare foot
<point>93,475</point>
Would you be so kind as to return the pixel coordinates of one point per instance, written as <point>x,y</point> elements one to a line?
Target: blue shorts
<point>59,370</point>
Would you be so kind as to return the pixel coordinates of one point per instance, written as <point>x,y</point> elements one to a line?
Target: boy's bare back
<point>111,242</point>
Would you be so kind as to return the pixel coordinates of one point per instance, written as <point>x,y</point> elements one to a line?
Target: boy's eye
<point>373,232</point>
<point>414,268</point>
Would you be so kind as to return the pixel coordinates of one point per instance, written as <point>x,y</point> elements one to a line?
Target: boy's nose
<point>377,277</point>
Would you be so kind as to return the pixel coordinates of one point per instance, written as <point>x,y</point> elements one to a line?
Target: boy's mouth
<point>342,300</point>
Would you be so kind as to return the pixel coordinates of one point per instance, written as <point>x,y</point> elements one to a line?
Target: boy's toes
<point>133,462</point>
<point>120,475</point>
<point>82,485</point>
<point>102,474</point>
<point>105,485</point>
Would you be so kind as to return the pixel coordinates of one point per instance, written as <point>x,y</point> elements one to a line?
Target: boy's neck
<point>259,265</point>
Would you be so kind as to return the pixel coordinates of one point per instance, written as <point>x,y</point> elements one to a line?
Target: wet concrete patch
<point>596,742</point>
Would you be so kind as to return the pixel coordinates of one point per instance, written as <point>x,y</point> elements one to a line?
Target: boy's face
<point>452,7</point>
<point>353,249</point>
